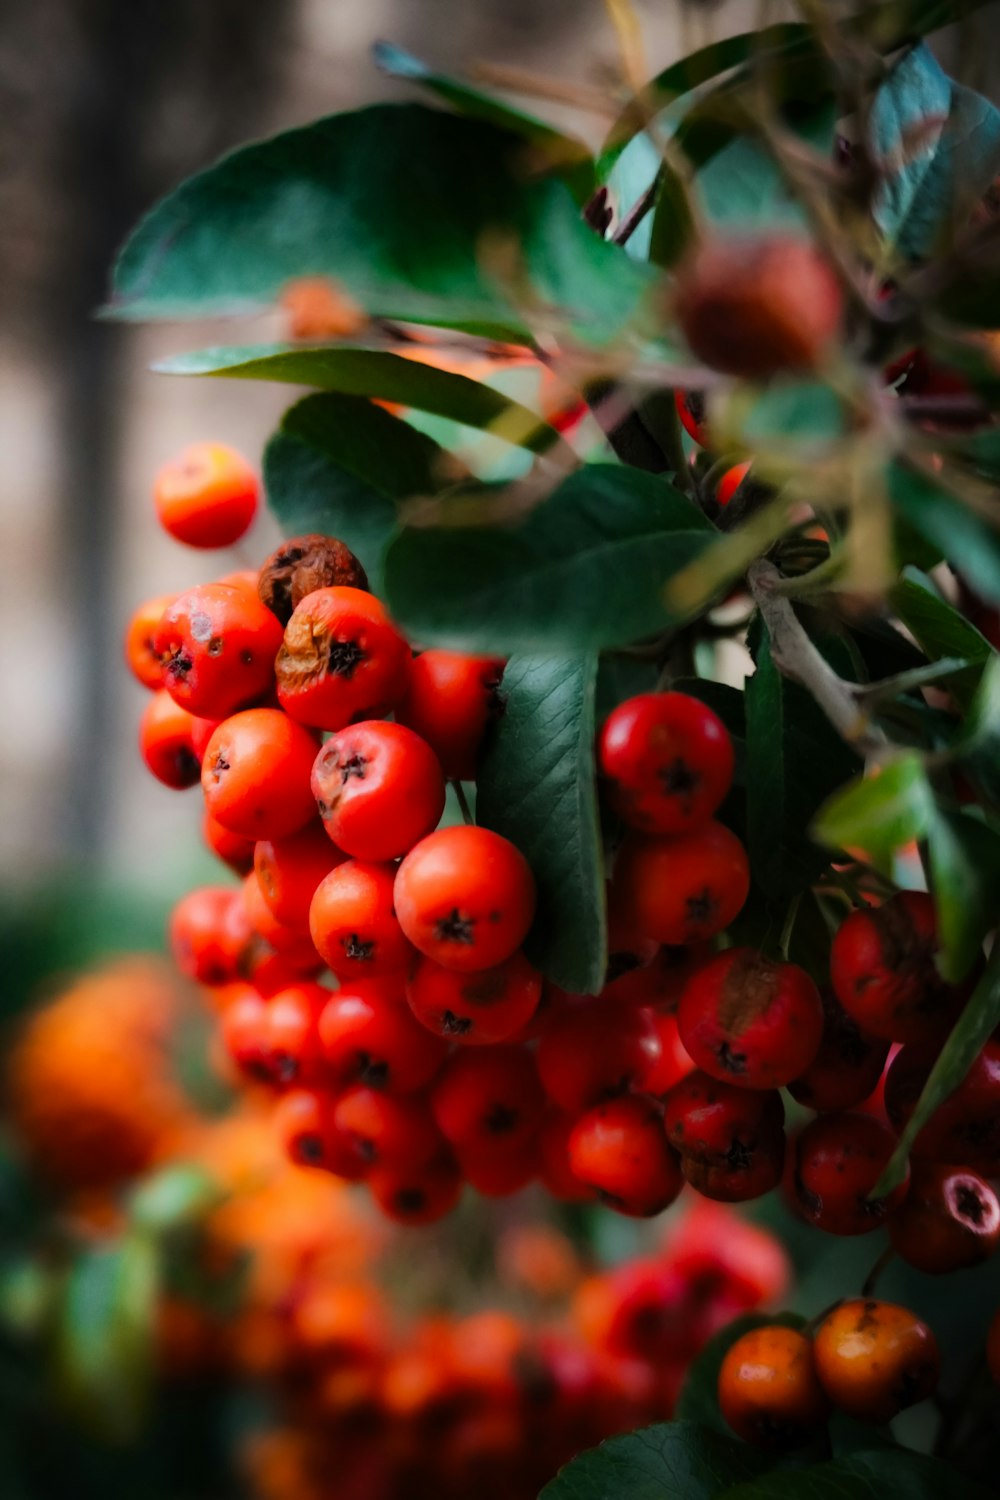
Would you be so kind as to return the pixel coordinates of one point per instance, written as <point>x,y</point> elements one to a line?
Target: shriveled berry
<point>303,564</point>
<point>341,659</point>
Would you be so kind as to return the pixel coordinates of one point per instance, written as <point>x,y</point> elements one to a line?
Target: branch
<point>797,658</point>
<point>640,208</point>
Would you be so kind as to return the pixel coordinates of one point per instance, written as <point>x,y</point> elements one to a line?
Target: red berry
<point>883,971</point>
<point>836,1162</point>
<point>304,1122</point>
<point>750,1021</point>
<point>417,1195</point>
<point>465,897</point>
<point>476,1009</point>
<point>387,1131</point>
<point>554,1165</point>
<point>846,1069</point>
<point>290,869</point>
<point>502,1172</point>
<point>488,1101</point>
<point>595,1050</point>
<point>232,848</point>
<point>291,1050</point>
<point>730,483</point>
<point>353,922</point>
<point>966,1126</point>
<point>691,410</point>
<point>255,774</point>
<point>368,1036</point>
<point>674,1061</point>
<point>379,789</point>
<point>243,1029</point>
<point>142,660</point>
<point>165,742</point>
<point>449,701</point>
<point>756,307</point>
<point>668,761</point>
<point>950,1220</point>
<point>202,941</point>
<point>619,1149</point>
<point>217,644</point>
<point>685,889</point>
<point>207,497</point>
<point>731,1140</point>
<point>341,659</point>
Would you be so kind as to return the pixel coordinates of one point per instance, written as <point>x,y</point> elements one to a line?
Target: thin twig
<point>872,1279</point>
<point>637,212</point>
<point>462,801</point>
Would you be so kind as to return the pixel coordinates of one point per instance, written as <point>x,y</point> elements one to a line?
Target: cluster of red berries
<point>376,1405</point>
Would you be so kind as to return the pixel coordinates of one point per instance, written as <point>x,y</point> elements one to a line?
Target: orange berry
<point>874,1359</point>
<point>769,1392</point>
<point>207,497</point>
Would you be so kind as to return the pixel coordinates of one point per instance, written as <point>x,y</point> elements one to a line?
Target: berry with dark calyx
<point>290,869</point>
<point>619,1148</point>
<point>450,700</point>
<point>341,659</point>
<point>243,1030</point>
<point>950,1220</point>
<point>488,1100</point>
<point>217,644</point>
<point>353,922</point>
<point>685,889</point>
<point>255,774</point>
<point>417,1194</point>
<point>596,1050</point>
<point>751,1021</point>
<point>379,788</point>
<point>768,1389</point>
<point>883,971</point>
<point>368,1036</point>
<point>303,564</point>
<point>465,897</point>
<point>304,1122</point>
<point>207,497</point>
<point>674,1061</point>
<point>846,1069</point>
<point>731,1140</point>
<point>478,1009</point>
<point>874,1359</point>
<point>387,1131</point>
<point>140,655</point>
<point>291,1046</point>
<point>667,760</point>
<point>834,1166</point>
<point>166,744</point>
<point>754,307</point>
<point>965,1127</point>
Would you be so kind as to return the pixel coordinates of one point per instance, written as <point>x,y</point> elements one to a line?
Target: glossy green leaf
<point>794,762</point>
<point>564,153</point>
<point>968,1036</point>
<point>870,1475</point>
<point>586,567</point>
<point>966,539</point>
<point>536,786</point>
<point>339,465</point>
<point>461,225</point>
<point>940,630</point>
<point>879,813</point>
<point>672,1461</point>
<point>383,377</point>
<point>965,881</point>
<point>698,1401</point>
<point>102,1349</point>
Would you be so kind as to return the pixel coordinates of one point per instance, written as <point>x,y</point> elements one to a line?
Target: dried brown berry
<point>305,563</point>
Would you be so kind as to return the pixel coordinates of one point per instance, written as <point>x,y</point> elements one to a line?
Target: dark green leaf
<point>673,1461</point>
<point>940,630</point>
<point>965,880</point>
<point>978,746</point>
<point>587,567</point>
<point>536,787</point>
<point>308,202</point>
<point>971,1031</point>
<point>869,1475</point>
<point>621,677</point>
<point>794,763</point>
<point>338,465</point>
<point>698,1401</point>
<point>562,152</point>
<point>103,1337</point>
<point>382,376</point>
<point>968,541</point>
<point>880,813</point>
<point>907,122</point>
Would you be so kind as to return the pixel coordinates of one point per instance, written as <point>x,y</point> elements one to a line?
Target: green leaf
<point>743,188</point>
<point>940,630</point>
<point>879,813</point>
<point>103,1337</point>
<point>383,377</point>
<point>673,1461</point>
<point>907,122</point>
<point>536,787</point>
<point>563,153</point>
<point>794,763</point>
<point>965,881</point>
<point>978,746</point>
<point>968,541</point>
<point>587,567</point>
<point>338,465</point>
<point>173,1198</point>
<point>870,1475</point>
<point>452,242</point>
<point>968,1036</point>
<point>698,1400</point>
